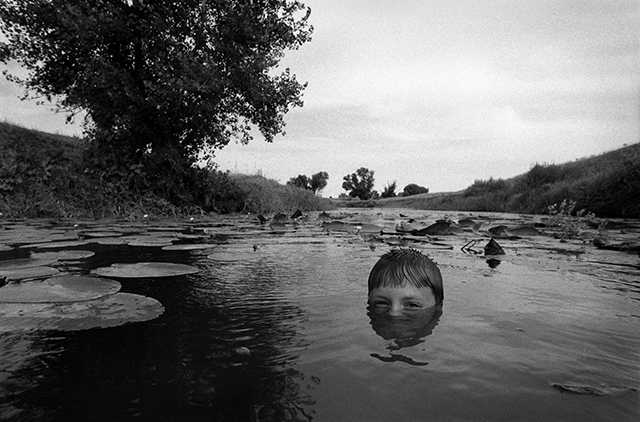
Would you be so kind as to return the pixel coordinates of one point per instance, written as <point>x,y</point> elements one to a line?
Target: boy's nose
<point>395,309</point>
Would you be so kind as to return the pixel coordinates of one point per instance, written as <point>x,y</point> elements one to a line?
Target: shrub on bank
<point>607,185</point>
<point>264,195</point>
<point>51,176</point>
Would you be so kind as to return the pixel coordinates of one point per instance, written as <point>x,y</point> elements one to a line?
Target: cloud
<point>444,92</point>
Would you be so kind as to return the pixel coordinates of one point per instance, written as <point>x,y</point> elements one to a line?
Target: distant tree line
<point>360,185</point>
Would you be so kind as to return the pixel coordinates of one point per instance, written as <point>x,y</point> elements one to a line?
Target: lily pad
<point>145,270</point>
<point>107,311</point>
<point>28,273</point>
<point>150,241</point>
<point>53,245</point>
<point>59,289</point>
<point>63,255</point>
<point>109,240</point>
<point>102,234</point>
<point>188,247</point>
<point>278,227</point>
<point>369,228</point>
<point>5,248</point>
<point>17,264</point>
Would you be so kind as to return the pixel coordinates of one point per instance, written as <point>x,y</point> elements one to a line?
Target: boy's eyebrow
<point>402,298</point>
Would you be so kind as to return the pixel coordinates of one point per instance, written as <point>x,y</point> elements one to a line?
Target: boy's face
<point>401,301</point>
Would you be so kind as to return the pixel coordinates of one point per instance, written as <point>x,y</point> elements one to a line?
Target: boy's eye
<point>380,303</point>
<point>412,305</point>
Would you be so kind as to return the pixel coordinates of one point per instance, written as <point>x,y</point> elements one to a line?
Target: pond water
<point>274,325</point>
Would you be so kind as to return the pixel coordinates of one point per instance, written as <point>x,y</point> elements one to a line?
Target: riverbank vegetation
<point>53,176</point>
<point>162,85</point>
<point>607,185</point>
<point>47,175</point>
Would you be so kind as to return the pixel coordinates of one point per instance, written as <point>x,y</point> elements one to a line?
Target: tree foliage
<point>301,181</point>
<point>360,184</point>
<point>315,183</point>
<point>482,187</point>
<point>413,189</point>
<point>177,76</point>
<point>389,191</point>
<point>319,181</point>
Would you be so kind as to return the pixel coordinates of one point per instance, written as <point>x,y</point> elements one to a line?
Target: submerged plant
<point>569,223</point>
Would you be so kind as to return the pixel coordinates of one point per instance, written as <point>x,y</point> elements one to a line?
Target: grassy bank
<point>49,176</point>
<point>267,195</point>
<point>607,185</point>
<point>46,175</point>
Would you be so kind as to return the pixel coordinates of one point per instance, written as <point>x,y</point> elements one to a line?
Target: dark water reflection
<point>407,330</point>
<point>284,334</point>
<point>190,358</point>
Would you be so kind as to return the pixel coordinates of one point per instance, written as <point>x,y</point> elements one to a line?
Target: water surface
<point>278,329</point>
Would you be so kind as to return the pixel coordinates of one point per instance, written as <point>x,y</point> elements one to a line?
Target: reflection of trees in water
<point>184,365</point>
<point>253,313</point>
<point>20,369</point>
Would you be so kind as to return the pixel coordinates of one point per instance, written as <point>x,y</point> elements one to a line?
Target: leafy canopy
<point>316,183</point>
<point>186,75</point>
<point>360,183</point>
<point>413,189</point>
<point>389,191</point>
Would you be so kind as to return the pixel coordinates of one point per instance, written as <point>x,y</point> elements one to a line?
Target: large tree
<point>176,75</point>
<point>360,183</point>
<point>315,183</point>
<point>319,181</point>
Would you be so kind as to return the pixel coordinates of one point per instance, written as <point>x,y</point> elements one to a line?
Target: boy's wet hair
<point>398,267</point>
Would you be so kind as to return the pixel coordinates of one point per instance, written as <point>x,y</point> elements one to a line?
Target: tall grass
<point>264,195</point>
<point>607,185</point>
<point>49,176</point>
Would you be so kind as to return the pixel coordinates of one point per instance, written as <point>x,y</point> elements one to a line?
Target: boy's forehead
<point>405,288</point>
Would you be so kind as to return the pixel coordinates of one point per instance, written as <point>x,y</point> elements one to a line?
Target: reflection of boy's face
<point>401,302</point>
<point>403,313</point>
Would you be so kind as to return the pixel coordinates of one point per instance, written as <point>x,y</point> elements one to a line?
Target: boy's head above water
<point>405,280</point>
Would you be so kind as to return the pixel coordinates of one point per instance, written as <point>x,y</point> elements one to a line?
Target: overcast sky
<point>443,92</point>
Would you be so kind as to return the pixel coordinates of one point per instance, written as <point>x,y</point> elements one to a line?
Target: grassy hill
<point>607,185</point>
<point>46,175</point>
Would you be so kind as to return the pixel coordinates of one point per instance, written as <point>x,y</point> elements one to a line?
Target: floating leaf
<point>107,311</point>
<point>145,270</point>
<point>101,234</point>
<point>110,240</point>
<point>149,243</point>
<point>17,264</point>
<point>369,228</point>
<point>59,289</point>
<point>63,255</point>
<point>53,245</point>
<point>5,248</point>
<point>189,246</point>
<point>278,227</point>
<point>170,230</point>
<point>27,273</point>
